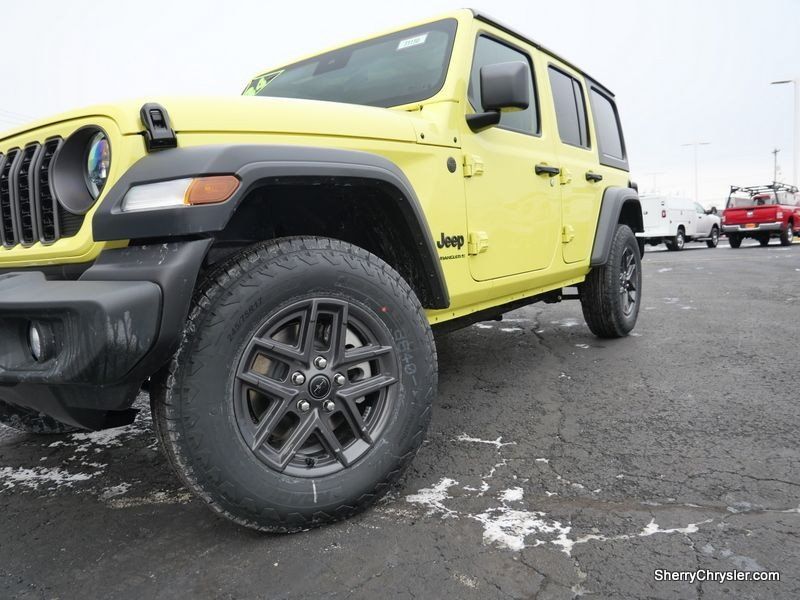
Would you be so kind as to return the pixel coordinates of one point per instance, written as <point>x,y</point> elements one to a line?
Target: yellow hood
<point>241,114</point>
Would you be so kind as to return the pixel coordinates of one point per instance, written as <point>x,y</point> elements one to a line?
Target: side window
<point>606,126</point>
<point>700,210</point>
<point>570,108</point>
<point>489,51</point>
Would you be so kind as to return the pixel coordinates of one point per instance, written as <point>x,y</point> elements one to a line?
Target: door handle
<point>542,169</point>
<point>593,176</point>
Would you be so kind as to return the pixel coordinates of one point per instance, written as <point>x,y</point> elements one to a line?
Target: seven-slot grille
<point>29,209</point>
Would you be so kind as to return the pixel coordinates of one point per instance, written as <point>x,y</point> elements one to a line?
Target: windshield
<point>399,68</point>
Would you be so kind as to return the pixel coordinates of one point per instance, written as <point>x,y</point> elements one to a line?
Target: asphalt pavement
<point>557,465</point>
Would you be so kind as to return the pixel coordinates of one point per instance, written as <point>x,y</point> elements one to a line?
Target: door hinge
<point>473,165</point>
<point>567,234</point>
<point>477,242</point>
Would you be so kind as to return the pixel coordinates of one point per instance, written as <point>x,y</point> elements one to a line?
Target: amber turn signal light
<point>211,190</point>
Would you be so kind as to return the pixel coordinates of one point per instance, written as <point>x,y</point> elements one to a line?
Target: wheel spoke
<point>278,350</point>
<point>361,354</point>
<point>365,386</point>
<point>331,442</point>
<point>308,328</point>
<point>268,386</point>
<point>349,410</point>
<point>274,415</point>
<point>297,439</point>
<point>339,333</point>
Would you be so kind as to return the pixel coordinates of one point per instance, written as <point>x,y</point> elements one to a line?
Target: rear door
<point>581,196</point>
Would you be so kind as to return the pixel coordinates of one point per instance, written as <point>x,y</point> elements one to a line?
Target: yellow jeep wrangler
<point>274,265</point>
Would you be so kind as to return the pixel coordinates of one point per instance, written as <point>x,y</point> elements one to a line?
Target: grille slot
<point>26,205</point>
<point>48,208</point>
<point>8,226</point>
<point>29,209</point>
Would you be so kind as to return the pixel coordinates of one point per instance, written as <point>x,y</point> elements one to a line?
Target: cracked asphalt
<point>557,465</point>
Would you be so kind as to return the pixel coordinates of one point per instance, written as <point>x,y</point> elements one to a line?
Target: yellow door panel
<point>513,214</point>
<point>580,196</point>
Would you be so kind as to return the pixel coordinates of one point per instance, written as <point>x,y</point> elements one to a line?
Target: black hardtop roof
<point>495,23</point>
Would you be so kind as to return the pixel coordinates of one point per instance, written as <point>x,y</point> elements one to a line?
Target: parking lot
<point>557,465</point>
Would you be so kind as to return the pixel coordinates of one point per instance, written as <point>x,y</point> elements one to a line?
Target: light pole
<point>696,145</point>
<point>775,165</point>
<point>796,127</point>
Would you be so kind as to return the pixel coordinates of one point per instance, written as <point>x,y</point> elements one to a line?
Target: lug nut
<point>328,405</point>
<point>303,406</point>
<point>339,379</point>
<point>298,378</point>
<point>320,362</point>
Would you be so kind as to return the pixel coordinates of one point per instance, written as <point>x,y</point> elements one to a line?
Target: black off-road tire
<point>763,240</point>
<point>604,307</point>
<point>194,397</point>
<point>712,243</point>
<point>787,235</point>
<point>31,421</point>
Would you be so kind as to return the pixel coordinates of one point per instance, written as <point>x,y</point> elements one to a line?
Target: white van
<point>675,221</point>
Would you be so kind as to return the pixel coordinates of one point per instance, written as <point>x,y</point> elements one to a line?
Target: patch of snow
<point>498,443</point>
<point>584,346</point>
<point>34,478</point>
<point>114,491</point>
<point>665,270</point>
<point>434,497</point>
<point>158,497</point>
<point>511,495</point>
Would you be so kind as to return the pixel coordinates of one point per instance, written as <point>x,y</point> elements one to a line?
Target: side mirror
<point>504,86</point>
<point>712,210</point>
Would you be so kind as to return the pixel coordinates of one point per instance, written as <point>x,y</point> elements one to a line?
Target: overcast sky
<point>683,71</point>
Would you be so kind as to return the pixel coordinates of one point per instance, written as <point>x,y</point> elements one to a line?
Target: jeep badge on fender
<point>455,241</point>
<point>268,265</point>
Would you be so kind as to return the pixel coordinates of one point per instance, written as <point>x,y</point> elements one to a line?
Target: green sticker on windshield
<point>259,83</point>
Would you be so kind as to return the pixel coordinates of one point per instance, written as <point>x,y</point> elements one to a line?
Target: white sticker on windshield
<point>414,41</point>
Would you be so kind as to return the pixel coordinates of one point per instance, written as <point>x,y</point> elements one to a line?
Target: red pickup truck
<point>762,212</point>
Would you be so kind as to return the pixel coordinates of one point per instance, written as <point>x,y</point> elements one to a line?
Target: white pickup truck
<point>675,221</point>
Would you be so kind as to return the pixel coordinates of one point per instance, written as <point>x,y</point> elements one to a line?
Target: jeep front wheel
<point>611,294</point>
<point>302,385</point>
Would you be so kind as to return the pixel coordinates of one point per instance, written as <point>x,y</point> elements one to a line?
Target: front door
<point>513,214</point>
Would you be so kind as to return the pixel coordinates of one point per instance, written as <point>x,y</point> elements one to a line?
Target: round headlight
<point>98,162</point>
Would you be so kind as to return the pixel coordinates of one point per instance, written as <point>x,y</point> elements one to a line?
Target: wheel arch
<point>619,206</point>
<point>288,183</point>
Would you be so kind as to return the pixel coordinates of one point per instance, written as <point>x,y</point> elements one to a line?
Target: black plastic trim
<point>614,199</point>
<point>257,165</point>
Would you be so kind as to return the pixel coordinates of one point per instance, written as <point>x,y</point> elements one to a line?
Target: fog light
<point>39,341</point>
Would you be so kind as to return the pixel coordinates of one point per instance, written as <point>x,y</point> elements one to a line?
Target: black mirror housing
<point>505,86</point>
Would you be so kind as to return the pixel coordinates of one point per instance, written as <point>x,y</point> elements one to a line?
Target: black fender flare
<point>614,201</point>
<point>256,165</point>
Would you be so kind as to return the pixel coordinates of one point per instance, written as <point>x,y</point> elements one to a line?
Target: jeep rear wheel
<point>302,386</point>
<point>787,235</point>
<point>31,421</point>
<point>611,294</point>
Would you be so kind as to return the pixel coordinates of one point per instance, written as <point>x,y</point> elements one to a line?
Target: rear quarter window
<point>610,143</point>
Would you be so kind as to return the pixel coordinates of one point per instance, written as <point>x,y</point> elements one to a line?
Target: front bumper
<point>777,226</point>
<point>102,334</point>
<point>91,332</point>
